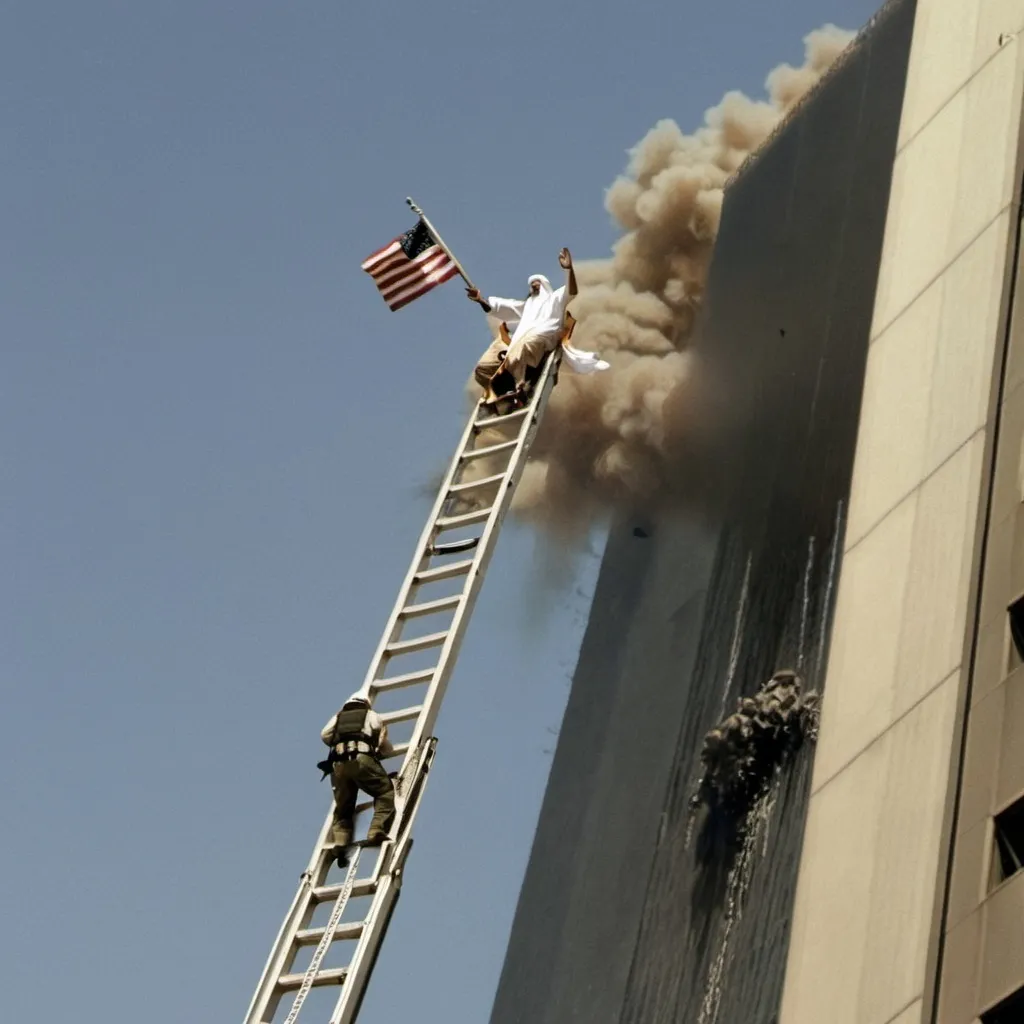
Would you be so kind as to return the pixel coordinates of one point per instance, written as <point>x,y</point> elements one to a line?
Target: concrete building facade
<point>859,517</point>
<point>900,914</point>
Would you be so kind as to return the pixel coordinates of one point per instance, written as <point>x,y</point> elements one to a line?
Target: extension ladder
<point>441,585</point>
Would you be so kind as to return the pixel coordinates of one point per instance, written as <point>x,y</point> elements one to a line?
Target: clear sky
<point>215,440</point>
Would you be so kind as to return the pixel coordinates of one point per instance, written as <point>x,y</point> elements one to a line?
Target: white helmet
<point>358,698</point>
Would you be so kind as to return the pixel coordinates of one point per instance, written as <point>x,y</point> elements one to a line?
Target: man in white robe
<point>537,324</point>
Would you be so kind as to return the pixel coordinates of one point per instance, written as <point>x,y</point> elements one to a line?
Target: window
<point>1008,855</point>
<point>1016,611</point>
<point>1009,1011</point>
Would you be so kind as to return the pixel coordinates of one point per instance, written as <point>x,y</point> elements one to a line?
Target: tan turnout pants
<point>365,773</point>
<point>526,352</point>
<point>502,357</point>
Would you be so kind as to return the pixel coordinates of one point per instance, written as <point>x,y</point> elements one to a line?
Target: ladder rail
<point>383,887</point>
<point>456,631</point>
<point>265,998</point>
<point>375,926</point>
<point>395,618</point>
<point>325,940</point>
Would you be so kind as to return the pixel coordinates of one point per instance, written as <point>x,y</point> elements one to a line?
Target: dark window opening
<point>1016,611</point>
<point>1009,845</point>
<point>1009,1011</point>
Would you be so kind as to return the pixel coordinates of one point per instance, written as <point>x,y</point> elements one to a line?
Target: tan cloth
<point>527,352</point>
<point>490,362</point>
<point>514,358</point>
<point>348,777</point>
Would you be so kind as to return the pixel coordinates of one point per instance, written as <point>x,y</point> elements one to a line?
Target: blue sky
<point>215,439</point>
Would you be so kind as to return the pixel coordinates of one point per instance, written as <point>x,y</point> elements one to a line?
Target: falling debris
<point>742,762</point>
<point>742,754</point>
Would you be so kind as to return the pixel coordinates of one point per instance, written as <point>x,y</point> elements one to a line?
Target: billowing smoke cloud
<point>616,440</point>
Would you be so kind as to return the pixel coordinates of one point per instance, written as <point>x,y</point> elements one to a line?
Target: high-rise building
<point>856,515</point>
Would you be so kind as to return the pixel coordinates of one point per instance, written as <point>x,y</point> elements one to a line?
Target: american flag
<point>409,266</point>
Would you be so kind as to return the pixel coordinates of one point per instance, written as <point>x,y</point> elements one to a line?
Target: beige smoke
<point>614,440</point>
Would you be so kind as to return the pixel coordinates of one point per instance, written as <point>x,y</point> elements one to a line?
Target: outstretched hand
<point>474,294</point>
<point>565,259</point>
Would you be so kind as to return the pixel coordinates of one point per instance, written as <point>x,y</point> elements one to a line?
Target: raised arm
<point>565,262</point>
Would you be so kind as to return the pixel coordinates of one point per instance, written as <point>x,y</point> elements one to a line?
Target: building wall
<point>619,919</point>
<point>871,923</point>
<point>981,954</point>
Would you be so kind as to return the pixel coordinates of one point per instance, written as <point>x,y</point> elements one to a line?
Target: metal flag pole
<point>440,241</point>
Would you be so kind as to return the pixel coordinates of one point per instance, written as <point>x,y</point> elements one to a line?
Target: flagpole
<point>440,241</point>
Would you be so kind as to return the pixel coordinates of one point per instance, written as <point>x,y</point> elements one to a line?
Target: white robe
<point>543,315</point>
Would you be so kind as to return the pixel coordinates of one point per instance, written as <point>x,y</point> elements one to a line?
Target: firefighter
<point>358,740</point>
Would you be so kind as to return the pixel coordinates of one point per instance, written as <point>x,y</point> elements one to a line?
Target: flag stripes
<point>409,266</point>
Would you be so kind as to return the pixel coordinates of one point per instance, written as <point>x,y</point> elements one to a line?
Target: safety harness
<point>352,736</point>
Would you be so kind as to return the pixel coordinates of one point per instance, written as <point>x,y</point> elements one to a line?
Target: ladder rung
<point>443,572</point>
<point>493,421</point>
<point>419,643</point>
<point>399,751</point>
<point>329,893</point>
<point>311,936</point>
<point>423,675</point>
<point>332,976</point>
<point>442,604</point>
<point>479,515</point>
<point>403,715</point>
<point>484,481</point>
<point>455,546</point>
<point>490,449</point>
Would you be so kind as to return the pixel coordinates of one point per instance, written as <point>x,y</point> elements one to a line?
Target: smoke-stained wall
<point>619,920</point>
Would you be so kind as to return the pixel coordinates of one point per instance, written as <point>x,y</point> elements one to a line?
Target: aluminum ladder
<point>442,584</point>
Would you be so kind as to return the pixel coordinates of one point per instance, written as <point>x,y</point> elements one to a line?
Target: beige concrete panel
<point>916,246</point>
<point>1010,777</point>
<point>961,162</point>
<point>999,21</point>
<point>997,582</point>
<point>981,760</point>
<point>988,155</point>
<point>911,1015</point>
<point>862,917</point>
<point>993,657</point>
<point>900,612</point>
<point>952,40</point>
<point>927,380</point>
<point>903,881</point>
<point>893,439</point>
<point>935,605</point>
<point>1015,355</point>
<point>941,563</point>
<point>941,61</point>
<point>958,992</point>
<point>838,859</point>
<point>837,866</point>
<point>1017,556</point>
<point>1002,961</point>
<point>1008,485</point>
<point>858,699</point>
<point>969,882</point>
<point>972,291</point>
